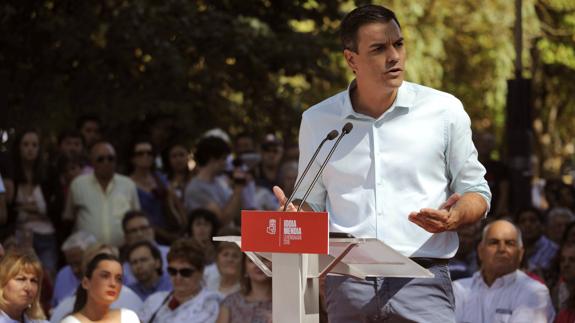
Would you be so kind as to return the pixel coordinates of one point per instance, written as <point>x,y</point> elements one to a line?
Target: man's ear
<point>350,59</point>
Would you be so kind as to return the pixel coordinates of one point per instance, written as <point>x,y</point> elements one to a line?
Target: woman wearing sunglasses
<point>100,287</point>
<point>188,301</point>
<point>157,200</point>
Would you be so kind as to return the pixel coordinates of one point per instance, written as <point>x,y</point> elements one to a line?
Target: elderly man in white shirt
<point>97,202</point>
<point>500,292</point>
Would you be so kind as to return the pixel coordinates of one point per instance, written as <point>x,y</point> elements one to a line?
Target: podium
<point>295,275</point>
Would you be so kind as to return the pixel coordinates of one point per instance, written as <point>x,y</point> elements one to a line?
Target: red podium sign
<point>285,232</point>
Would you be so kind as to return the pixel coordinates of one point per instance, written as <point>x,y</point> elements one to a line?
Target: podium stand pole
<point>295,297</point>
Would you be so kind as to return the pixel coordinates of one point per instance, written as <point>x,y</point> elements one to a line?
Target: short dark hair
<point>87,118</point>
<point>153,250</point>
<point>530,209</point>
<point>205,214</point>
<point>211,148</point>
<point>69,133</point>
<point>132,214</point>
<point>360,16</point>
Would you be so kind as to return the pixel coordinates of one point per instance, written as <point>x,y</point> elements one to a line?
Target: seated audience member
<point>189,301</point>
<point>558,218</point>
<point>101,285</point>
<point>20,280</point>
<point>68,278</point>
<point>175,160</point>
<point>269,167</point>
<point>97,202</point>
<point>253,303</point>
<point>137,228</point>
<point>464,263</point>
<point>146,265</point>
<point>127,298</point>
<point>207,188</point>
<point>567,299</point>
<point>91,129</point>
<point>539,250</point>
<point>203,225</point>
<point>224,275</point>
<point>500,292</point>
<point>157,200</point>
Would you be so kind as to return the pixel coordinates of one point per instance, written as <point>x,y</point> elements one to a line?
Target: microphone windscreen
<point>347,128</point>
<point>332,135</point>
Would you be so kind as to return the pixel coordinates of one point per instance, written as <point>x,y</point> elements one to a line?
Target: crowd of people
<point>90,242</point>
<point>92,232</point>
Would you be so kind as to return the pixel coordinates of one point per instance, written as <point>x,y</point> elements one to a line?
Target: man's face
<point>71,146</point>
<point>138,229</point>
<point>530,225</point>
<point>556,227</point>
<point>143,264</point>
<point>74,259</point>
<point>91,132</point>
<point>500,252</point>
<point>380,58</point>
<point>103,160</point>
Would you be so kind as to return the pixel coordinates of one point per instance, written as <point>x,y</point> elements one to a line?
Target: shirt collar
<point>404,100</point>
<point>503,281</point>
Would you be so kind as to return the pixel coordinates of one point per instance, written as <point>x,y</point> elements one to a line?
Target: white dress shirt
<point>413,156</point>
<point>514,297</point>
<point>202,308</point>
<point>126,316</point>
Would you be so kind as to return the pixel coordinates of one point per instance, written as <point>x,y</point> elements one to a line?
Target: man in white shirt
<point>406,174</point>
<point>97,202</point>
<point>500,292</point>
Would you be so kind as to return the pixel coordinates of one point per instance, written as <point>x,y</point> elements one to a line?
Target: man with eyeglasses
<point>137,228</point>
<point>97,202</point>
<point>146,262</point>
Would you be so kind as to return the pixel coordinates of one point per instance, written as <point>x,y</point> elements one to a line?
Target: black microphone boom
<point>330,136</point>
<point>344,131</point>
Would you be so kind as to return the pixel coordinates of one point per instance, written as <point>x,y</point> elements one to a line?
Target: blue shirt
<point>65,285</point>
<point>413,156</point>
<point>163,285</point>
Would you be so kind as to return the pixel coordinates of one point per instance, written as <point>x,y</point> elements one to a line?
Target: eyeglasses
<point>143,153</point>
<point>138,229</point>
<point>108,158</point>
<point>184,272</point>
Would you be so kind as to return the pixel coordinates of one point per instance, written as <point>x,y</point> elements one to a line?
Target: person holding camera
<point>209,190</point>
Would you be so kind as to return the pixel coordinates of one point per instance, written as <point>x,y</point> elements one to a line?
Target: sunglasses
<point>143,153</point>
<point>108,158</point>
<point>184,272</point>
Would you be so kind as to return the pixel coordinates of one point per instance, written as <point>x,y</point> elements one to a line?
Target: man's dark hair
<point>153,250</point>
<point>69,133</point>
<point>88,118</point>
<point>211,148</point>
<point>539,215</point>
<point>132,215</point>
<point>360,16</point>
<point>205,214</point>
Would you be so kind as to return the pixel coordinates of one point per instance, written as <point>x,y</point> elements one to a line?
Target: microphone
<point>330,136</point>
<point>344,131</point>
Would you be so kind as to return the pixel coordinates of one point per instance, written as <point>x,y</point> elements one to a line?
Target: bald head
<point>103,158</point>
<point>500,250</point>
<point>500,225</point>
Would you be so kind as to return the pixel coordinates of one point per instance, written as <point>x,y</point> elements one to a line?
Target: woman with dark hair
<point>20,281</point>
<point>203,225</point>
<point>188,302</point>
<point>156,198</point>
<point>175,160</point>
<point>253,303</point>
<point>29,202</point>
<point>100,287</point>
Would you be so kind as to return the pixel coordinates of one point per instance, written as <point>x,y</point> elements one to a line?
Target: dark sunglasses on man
<point>108,158</point>
<point>184,272</point>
